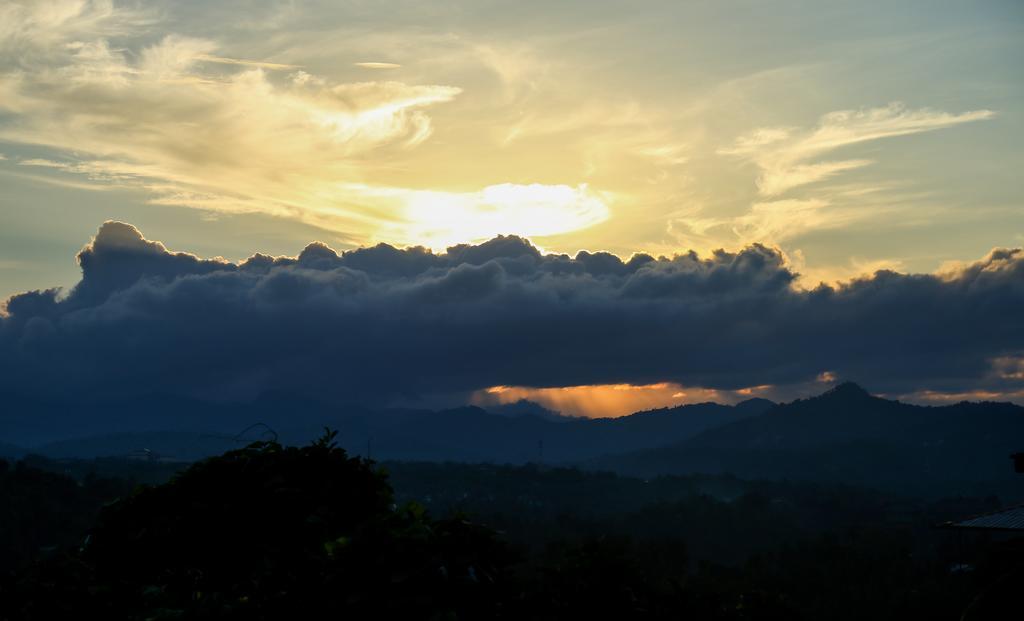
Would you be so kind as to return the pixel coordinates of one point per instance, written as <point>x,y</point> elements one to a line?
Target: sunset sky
<point>846,136</point>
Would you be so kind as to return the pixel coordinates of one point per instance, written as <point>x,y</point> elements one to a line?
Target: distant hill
<point>187,430</point>
<point>850,436</point>
<point>844,435</point>
<point>10,451</point>
<point>472,434</point>
<point>149,446</point>
<point>524,407</point>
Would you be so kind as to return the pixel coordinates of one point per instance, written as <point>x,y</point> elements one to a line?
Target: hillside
<point>459,434</point>
<point>847,435</point>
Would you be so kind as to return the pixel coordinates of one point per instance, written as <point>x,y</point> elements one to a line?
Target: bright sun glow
<point>431,131</point>
<point>440,219</point>
<point>610,400</point>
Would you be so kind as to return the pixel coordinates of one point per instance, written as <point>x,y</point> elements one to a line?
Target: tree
<point>268,532</point>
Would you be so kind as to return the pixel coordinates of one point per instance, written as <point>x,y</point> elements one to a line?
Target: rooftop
<point>1007,519</point>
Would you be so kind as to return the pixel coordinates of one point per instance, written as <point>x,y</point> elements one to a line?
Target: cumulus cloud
<point>382,323</point>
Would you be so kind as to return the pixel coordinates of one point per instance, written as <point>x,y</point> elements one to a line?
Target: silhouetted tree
<point>268,532</point>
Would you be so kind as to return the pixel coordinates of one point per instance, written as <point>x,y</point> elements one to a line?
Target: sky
<point>841,138</point>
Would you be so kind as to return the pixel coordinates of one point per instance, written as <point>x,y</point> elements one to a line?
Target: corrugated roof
<point>1007,519</point>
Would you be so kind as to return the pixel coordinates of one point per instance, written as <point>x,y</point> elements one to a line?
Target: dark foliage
<point>267,532</point>
<point>270,532</point>
<point>42,512</point>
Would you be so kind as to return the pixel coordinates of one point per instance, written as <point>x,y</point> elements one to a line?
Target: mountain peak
<point>846,390</point>
<point>756,405</point>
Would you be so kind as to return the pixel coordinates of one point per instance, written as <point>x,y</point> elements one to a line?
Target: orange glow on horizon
<point>610,400</point>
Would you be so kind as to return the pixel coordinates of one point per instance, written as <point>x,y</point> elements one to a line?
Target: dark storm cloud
<point>379,322</point>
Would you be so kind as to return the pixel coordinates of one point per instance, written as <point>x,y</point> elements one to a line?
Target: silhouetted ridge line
<point>846,391</point>
<point>755,404</point>
<point>847,435</point>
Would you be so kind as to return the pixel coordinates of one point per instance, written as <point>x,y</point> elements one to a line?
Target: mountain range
<point>848,435</point>
<point>521,433</point>
<point>843,435</point>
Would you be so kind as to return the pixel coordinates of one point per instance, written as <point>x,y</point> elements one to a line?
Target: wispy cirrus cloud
<point>35,28</point>
<point>790,159</point>
<point>786,156</point>
<point>203,129</point>
<point>377,65</point>
<point>784,219</point>
<point>221,60</point>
